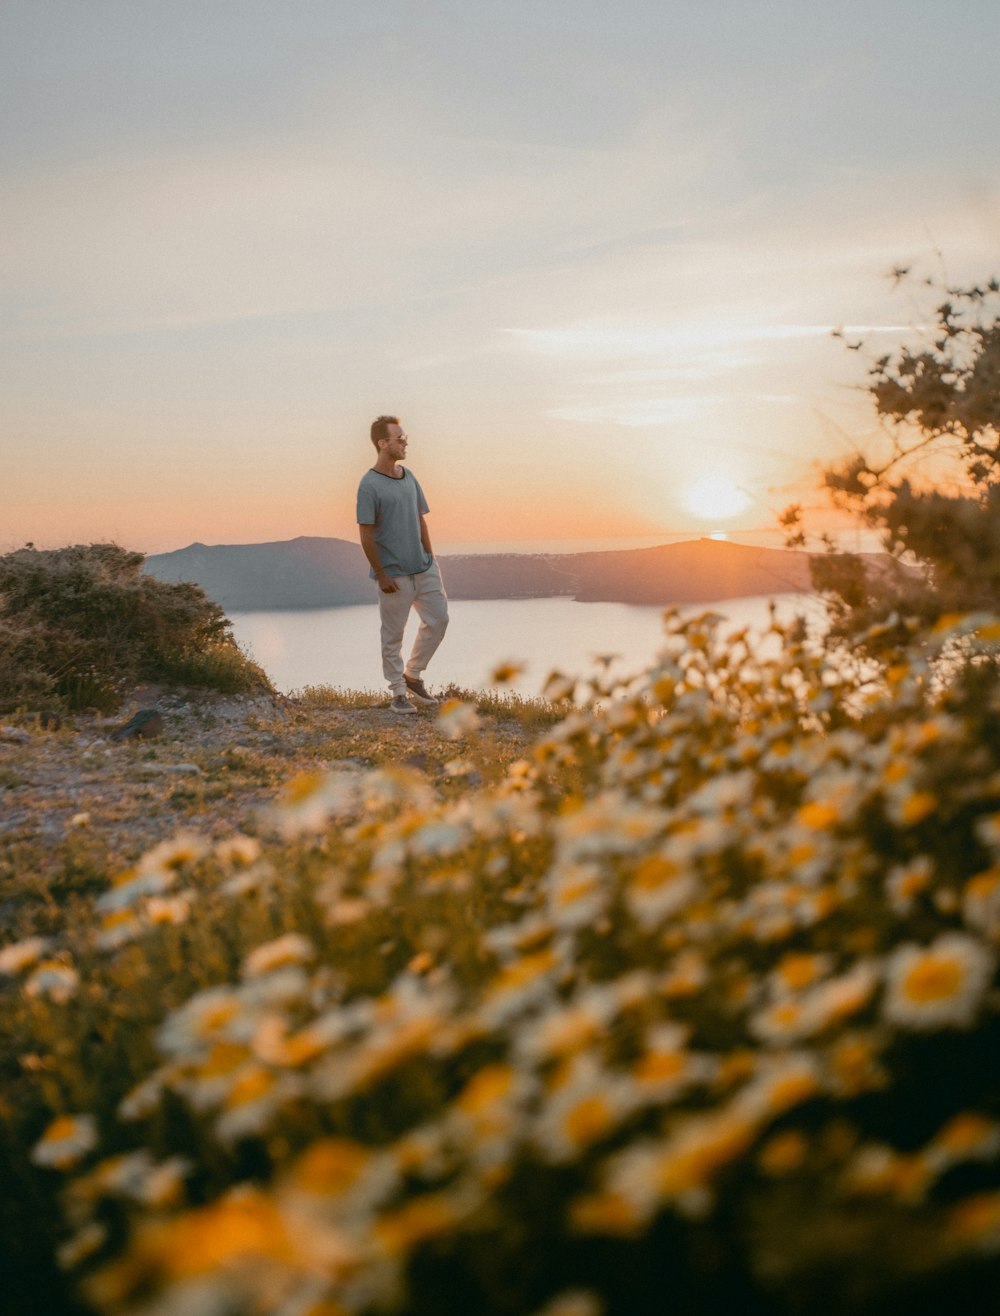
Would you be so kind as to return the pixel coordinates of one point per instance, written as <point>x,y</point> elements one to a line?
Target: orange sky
<point>586,281</point>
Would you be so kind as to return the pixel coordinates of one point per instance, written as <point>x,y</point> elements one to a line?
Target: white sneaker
<point>400,704</point>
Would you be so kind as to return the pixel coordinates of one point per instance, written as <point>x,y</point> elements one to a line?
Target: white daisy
<point>939,985</point>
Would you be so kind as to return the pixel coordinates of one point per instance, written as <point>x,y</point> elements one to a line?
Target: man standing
<point>397,544</point>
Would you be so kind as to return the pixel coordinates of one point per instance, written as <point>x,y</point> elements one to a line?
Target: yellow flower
<point>967,1136</point>
<point>429,1216</point>
<point>975,1223</point>
<point>252,1084</point>
<point>915,807</point>
<point>387,1050</point>
<point>348,910</point>
<point>486,1098</point>
<point>784,1153</point>
<point>67,1139</point>
<point>577,894</point>
<point>21,955</point>
<point>54,980</point>
<point>137,1176</point>
<point>735,1067</point>
<point>781,1084</point>
<point>303,787</point>
<point>966,1132</point>
<point>588,1120</point>
<point>585,1102</point>
<point>311,799</point>
<point>988,830</point>
<point>292,948</point>
<point>981,900</point>
<point>702,1146</point>
<point>238,850</point>
<point>523,972</point>
<point>255,1096</point>
<point>686,976</point>
<point>817,815</point>
<point>665,1067</point>
<point>657,1067</point>
<point>784,1020</point>
<point>559,688</point>
<point>202,1018</point>
<point>118,928</point>
<point>223,1060</point>
<point>877,1171</point>
<point>161,909</point>
<point>797,970</point>
<point>504,673</point>
<point>133,885</point>
<point>330,1167</point>
<point>243,1226</point>
<point>143,1099</point>
<point>604,1213</point>
<point>855,1065</point>
<point>659,887</point>
<point>905,883</point>
<point>937,986</point>
<point>457,719</point>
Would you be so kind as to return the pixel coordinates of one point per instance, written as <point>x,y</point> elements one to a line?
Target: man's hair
<point>380,428</point>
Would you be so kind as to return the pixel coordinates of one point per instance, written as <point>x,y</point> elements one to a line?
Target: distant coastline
<point>314,572</point>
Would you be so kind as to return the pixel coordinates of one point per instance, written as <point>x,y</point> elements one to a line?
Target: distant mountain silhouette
<point>311,572</point>
<point>689,572</point>
<point>290,573</point>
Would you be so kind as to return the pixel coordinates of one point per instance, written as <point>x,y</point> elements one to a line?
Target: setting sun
<point>715,497</point>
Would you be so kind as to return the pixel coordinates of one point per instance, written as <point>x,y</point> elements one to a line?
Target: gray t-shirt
<point>393,506</point>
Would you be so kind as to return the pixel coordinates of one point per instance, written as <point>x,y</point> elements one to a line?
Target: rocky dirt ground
<point>76,806</point>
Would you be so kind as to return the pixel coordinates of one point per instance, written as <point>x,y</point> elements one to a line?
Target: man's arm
<point>385,582</point>
<point>425,535</point>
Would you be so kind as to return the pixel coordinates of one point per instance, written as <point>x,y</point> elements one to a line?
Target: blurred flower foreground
<point>697,1006</point>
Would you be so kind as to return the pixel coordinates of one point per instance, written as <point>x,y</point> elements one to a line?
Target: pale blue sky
<point>590,255</point>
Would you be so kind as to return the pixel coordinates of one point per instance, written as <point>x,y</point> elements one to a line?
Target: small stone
<point>147,722</point>
<point>183,769</point>
<point>15,735</point>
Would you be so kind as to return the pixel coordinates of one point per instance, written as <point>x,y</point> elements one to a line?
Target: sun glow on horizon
<point>715,498</point>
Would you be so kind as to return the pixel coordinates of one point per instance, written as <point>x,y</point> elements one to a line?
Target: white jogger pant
<point>425,592</point>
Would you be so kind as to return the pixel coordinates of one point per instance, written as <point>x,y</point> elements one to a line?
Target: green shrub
<point>929,483</point>
<point>78,625</point>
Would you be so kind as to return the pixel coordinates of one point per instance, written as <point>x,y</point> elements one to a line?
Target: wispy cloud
<point>614,341</point>
<point>640,412</point>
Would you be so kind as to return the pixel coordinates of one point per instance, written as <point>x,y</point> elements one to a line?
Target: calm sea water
<point>340,646</point>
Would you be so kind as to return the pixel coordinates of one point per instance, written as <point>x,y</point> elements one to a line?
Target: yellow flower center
<point>659,1066</point>
<point>330,1166</point>
<point>588,1120</point>
<point>932,978</point>
<point>484,1089</point>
